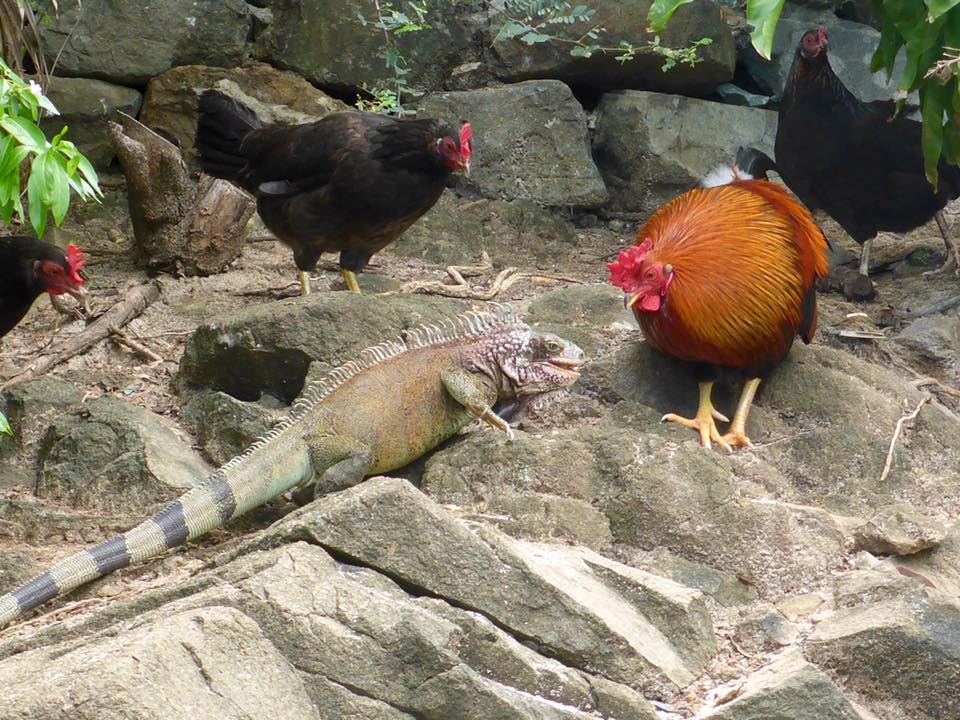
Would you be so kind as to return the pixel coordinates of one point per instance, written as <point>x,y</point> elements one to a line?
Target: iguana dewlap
<point>397,401</point>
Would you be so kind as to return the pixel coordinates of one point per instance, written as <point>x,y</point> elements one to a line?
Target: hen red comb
<point>75,262</point>
<point>822,33</point>
<point>625,270</point>
<point>466,136</point>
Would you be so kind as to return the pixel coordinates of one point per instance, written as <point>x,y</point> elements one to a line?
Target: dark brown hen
<point>844,157</point>
<point>351,183</point>
<point>29,267</point>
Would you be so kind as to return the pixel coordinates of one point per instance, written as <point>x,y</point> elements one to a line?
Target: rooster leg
<point>304,283</point>
<point>737,434</point>
<point>351,280</point>
<point>865,257</point>
<point>953,249</point>
<point>704,420</point>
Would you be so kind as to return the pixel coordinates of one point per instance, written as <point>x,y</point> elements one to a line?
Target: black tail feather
<point>222,126</point>
<point>755,163</point>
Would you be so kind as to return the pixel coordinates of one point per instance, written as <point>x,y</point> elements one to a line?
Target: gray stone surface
<point>326,42</point>
<point>112,455</point>
<point>85,106</point>
<point>627,22</point>
<point>530,142</point>
<point>146,39</point>
<point>651,147</point>
<point>898,530</point>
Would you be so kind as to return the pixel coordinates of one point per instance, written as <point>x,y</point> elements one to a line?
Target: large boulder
<point>146,39</point>
<point>898,651</point>
<point>626,22</point>
<point>277,96</point>
<point>651,147</point>
<point>112,455</point>
<point>530,142</point>
<point>334,43</point>
<point>85,106</point>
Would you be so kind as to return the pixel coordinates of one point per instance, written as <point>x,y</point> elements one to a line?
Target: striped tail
<point>264,472</point>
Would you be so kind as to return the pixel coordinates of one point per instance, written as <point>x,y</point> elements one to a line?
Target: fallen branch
<point>137,300</point>
<point>896,436</point>
<point>121,338</point>
<point>934,309</point>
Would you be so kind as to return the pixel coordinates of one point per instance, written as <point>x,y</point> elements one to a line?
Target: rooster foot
<point>737,439</point>
<point>704,424</point>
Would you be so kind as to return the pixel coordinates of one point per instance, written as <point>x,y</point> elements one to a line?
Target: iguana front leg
<point>473,392</point>
<point>338,462</point>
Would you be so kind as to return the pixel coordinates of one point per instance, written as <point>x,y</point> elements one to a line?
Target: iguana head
<point>529,367</point>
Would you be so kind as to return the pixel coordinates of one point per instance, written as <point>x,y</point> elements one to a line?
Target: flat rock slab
<point>588,612</point>
<point>788,689</point>
<point>530,143</point>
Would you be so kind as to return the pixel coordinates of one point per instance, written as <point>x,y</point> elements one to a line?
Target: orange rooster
<point>724,277</point>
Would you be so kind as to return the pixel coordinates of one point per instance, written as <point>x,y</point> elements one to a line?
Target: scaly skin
<point>398,401</point>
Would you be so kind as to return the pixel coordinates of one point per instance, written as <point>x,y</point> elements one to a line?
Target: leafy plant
<point>761,14</point>
<point>52,167</point>
<point>394,22</point>
<point>5,426</point>
<point>541,21</point>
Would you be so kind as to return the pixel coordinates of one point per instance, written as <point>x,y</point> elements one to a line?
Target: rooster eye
<point>651,274</point>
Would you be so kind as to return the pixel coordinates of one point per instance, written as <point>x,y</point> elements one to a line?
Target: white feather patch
<point>724,175</point>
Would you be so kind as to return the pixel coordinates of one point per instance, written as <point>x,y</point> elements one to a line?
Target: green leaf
<point>25,132</point>
<point>35,193</point>
<point>532,38</point>
<point>933,99</point>
<point>890,43</point>
<point>90,175</point>
<point>936,8</point>
<point>661,11</point>
<point>5,426</point>
<point>763,15</point>
<point>58,187</point>
<point>510,30</point>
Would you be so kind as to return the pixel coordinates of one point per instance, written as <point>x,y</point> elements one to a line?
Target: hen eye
<point>54,270</point>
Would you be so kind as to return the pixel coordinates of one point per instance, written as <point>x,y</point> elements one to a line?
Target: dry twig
<point>896,436</point>
<point>121,338</point>
<point>137,300</point>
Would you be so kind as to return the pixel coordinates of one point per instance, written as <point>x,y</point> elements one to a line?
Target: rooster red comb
<point>625,270</point>
<point>466,141</point>
<point>75,262</point>
<point>822,34</point>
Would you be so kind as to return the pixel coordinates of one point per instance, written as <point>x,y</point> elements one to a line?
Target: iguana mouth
<point>568,366</point>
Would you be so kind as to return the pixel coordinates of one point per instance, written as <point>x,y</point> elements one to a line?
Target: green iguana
<point>396,402</point>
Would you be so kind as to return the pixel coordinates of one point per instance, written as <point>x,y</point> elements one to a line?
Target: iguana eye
<point>553,346</point>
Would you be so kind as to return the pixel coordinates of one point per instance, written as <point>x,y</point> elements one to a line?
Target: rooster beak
<point>629,300</point>
<point>80,293</point>
<point>466,168</point>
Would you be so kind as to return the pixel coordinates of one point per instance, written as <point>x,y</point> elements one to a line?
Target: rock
<point>764,629</point>
<point>29,406</point>
<point>898,530</point>
<point>225,426</point>
<point>328,43</point>
<point>109,455</point>
<point>594,306</point>
<point>268,349</point>
<point>939,568</point>
<point>627,22</point>
<point>457,232</point>
<point>531,143</point>
<point>181,665</point>
<point>851,48</point>
<point>801,606</point>
<point>869,586</point>
<point>145,40</point>
<point>652,147</point>
<point>277,96</point>
<point>896,652</point>
<point>85,105</point>
<point>933,344</point>
<point>788,689</point>
<point>588,612</point>
<point>726,589</point>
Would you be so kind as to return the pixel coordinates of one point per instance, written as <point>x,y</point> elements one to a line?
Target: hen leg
<point>737,434</point>
<point>865,258</point>
<point>703,422</point>
<point>953,249</point>
<point>304,283</point>
<point>351,280</point>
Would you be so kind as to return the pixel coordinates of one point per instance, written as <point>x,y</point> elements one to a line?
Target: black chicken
<point>352,182</point>
<point>864,169</point>
<point>29,267</point>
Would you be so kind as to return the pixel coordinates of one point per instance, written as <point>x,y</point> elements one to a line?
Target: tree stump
<point>180,226</point>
